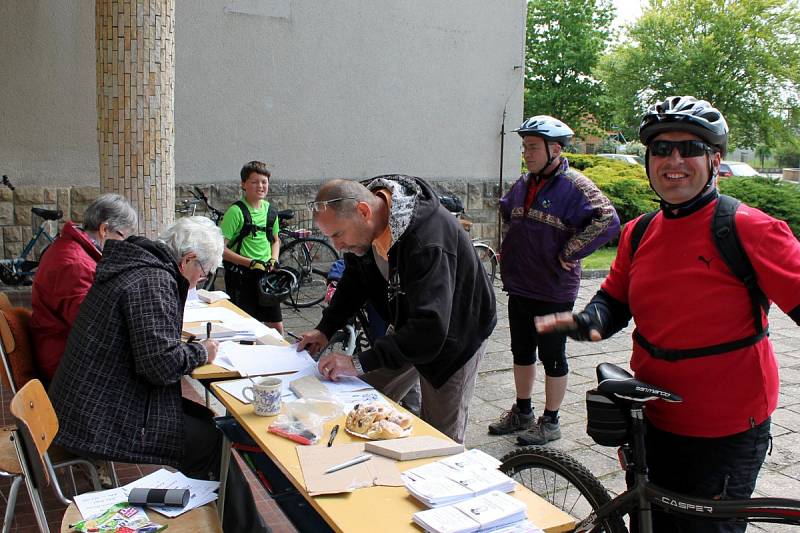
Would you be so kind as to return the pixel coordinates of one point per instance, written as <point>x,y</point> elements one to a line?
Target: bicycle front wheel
<point>488,259</point>
<point>563,482</point>
<point>310,258</point>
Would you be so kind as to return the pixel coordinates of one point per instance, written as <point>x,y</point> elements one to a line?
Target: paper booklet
<point>481,513</point>
<point>456,478</point>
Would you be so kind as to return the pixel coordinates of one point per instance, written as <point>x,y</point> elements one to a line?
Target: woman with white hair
<point>117,391</point>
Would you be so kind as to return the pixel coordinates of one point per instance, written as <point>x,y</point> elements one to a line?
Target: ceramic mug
<point>265,396</point>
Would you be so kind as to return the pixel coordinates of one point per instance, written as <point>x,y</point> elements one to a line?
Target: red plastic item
<point>291,436</point>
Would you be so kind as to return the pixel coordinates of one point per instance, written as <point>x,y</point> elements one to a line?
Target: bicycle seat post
<point>645,515</point>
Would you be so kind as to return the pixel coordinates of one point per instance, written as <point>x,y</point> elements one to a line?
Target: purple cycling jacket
<point>569,217</point>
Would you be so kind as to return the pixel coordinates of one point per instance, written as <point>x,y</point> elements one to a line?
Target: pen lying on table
<point>356,460</point>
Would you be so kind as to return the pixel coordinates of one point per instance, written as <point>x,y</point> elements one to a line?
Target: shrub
<point>777,198</point>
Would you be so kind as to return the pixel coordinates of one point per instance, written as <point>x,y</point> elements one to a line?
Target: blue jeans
<point>716,468</point>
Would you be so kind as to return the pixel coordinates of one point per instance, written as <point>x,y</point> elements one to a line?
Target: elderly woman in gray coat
<point>117,391</point>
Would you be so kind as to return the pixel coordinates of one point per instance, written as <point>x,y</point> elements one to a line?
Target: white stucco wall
<point>317,88</point>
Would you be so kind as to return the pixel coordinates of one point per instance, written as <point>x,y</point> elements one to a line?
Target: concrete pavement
<point>494,394</point>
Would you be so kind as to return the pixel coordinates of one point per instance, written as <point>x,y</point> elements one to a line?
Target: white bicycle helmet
<point>686,113</point>
<point>548,128</point>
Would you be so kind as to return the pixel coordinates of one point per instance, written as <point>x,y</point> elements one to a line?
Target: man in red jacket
<point>66,273</point>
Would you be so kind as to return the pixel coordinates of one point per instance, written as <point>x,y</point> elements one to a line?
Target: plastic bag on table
<point>303,420</point>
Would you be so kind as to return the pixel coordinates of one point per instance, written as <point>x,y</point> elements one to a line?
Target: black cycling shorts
<point>525,341</point>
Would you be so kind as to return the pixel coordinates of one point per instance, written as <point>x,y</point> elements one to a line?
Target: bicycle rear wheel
<point>310,258</point>
<point>562,481</point>
<point>488,259</point>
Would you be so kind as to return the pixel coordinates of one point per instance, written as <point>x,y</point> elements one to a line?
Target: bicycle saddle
<point>47,214</point>
<point>286,214</point>
<point>614,380</point>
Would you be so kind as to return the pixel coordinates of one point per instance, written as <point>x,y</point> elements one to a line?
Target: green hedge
<point>628,189</point>
<point>779,199</point>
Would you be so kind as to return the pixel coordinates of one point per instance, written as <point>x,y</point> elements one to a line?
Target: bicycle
<point>308,257</point>
<point>20,270</point>
<point>488,257</point>
<point>615,418</point>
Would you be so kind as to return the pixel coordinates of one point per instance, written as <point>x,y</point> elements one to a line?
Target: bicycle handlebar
<point>200,195</point>
<point>7,182</point>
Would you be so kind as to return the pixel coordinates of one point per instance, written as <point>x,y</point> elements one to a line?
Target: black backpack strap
<point>639,229</point>
<point>247,227</point>
<point>272,214</point>
<point>726,239</point>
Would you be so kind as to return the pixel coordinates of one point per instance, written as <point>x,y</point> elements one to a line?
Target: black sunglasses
<point>685,148</point>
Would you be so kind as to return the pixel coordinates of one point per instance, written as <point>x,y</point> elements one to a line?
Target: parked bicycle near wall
<point>308,257</point>
<point>488,257</point>
<point>615,418</point>
<point>21,269</point>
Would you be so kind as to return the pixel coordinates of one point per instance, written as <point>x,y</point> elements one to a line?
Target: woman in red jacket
<point>66,272</point>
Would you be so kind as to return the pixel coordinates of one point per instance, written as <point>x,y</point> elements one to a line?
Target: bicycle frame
<point>640,499</point>
<point>18,264</point>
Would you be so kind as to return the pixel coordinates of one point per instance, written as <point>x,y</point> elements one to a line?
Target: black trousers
<point>201,460</point>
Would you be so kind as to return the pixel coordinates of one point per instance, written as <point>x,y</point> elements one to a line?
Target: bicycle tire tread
<point>571,470</point>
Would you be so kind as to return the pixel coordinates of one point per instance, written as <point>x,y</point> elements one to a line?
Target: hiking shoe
<point>511,421</point>
<point>542,432</point>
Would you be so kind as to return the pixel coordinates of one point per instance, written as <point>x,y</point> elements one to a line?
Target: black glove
<point>603,313</point>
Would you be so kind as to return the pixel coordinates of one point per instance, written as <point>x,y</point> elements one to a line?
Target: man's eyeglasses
<point>321,205</point>
<point>685,148</point>
<point>122,235</point>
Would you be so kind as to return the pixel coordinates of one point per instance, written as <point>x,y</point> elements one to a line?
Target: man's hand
<point>272,264</point>
<point>211,347</point>
<point>336,365</point>
<point>258,264</point>
<point>567,265</point>
<point>314,341</point>
<point>566,323</point>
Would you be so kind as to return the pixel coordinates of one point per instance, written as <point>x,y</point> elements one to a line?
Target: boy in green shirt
<point>251,251</point>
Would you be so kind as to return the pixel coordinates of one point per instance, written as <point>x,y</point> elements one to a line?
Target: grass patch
<point>601,259</point>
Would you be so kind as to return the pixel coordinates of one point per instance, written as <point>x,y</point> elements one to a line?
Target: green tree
<point>564,41</point>
<point>741,55</point>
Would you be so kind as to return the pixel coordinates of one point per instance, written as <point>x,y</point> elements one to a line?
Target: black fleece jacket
<point>439,299</point>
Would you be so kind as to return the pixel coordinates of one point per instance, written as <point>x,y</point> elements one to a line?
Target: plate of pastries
<point>378,421</point>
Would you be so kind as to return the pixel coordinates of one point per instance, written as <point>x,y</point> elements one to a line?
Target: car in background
<point>728,169</point>
<point>627,158</point>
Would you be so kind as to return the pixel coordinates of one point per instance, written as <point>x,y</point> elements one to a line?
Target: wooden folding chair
<point>36,427</point>
<point>16,355</point>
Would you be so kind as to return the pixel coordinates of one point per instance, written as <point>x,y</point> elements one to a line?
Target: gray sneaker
<point>542,432</point>
<point>511,421</point>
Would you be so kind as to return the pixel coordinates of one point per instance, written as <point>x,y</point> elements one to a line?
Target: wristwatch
<point>357,364</point>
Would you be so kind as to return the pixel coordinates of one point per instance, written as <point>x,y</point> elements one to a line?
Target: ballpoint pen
<point>357,460</point>
<point>208,330</point>
<point>334,431</point>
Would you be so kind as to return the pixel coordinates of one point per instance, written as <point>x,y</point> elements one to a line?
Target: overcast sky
<point>627,11</point>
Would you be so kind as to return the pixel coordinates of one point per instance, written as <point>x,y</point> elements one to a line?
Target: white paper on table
<point>349,399</point>
<point>210,314</point>
<point>235,388</point>
<point>259,329</point>
<point>200,490</point>
<point>261,359</point>
<point>92,504</point>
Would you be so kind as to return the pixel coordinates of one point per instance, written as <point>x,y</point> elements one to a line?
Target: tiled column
<point>135,42</point>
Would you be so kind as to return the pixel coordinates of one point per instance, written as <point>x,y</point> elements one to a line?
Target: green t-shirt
<point>258,247</point>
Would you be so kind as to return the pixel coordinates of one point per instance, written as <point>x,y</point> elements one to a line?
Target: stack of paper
<point>255,360</point>
<point>201,492</point>
<point>481,513</point>
<point>456,478</point>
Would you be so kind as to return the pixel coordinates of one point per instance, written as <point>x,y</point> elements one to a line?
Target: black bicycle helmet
<point>276,286</point>
<point>686,113</point>
<point>548,128</point>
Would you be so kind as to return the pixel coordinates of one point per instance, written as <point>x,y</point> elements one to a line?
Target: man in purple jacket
<point>553,216</point>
